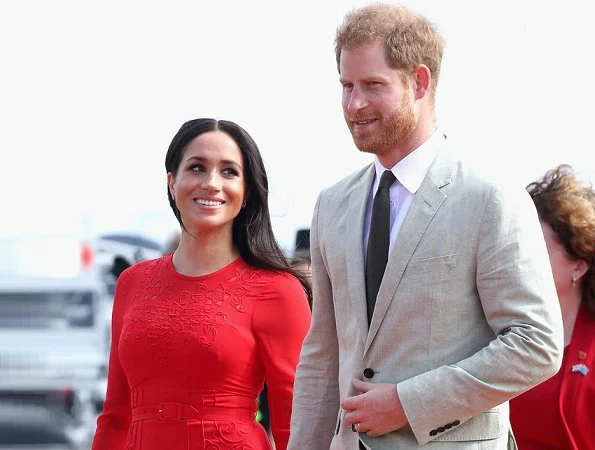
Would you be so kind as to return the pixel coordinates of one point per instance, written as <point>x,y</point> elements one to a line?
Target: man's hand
<point>376,411</point>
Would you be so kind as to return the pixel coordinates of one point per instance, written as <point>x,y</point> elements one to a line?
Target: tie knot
<point>386,180</point>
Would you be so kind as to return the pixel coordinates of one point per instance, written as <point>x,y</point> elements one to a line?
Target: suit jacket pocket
<point>479,428</point>
<point>445,262</point>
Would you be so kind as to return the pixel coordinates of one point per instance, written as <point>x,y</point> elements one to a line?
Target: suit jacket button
<point>433,432</point>
<point>456,423</point>
<point>368,373</point>
<point>441,429</point>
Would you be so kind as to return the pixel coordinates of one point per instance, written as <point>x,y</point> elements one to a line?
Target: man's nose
<point>355,101</point>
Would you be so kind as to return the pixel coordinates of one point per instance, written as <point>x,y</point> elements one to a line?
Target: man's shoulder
<point>472,174</point>
<point>470,186</point>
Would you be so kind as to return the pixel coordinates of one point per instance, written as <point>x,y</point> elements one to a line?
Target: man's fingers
<point>362,386</point>
<point>358,427</point>
<point>351,403</point>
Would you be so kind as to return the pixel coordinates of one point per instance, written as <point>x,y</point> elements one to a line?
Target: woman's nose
<point>212,181</point>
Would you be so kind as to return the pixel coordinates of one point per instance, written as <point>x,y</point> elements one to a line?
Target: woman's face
<point>209,186</point>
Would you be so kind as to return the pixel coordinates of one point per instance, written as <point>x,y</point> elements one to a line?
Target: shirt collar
<point>412,169</point>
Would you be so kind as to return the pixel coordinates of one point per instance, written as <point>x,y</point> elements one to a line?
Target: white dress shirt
<point>410,172</point>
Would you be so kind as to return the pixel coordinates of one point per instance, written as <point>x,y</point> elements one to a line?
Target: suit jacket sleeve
<point>316,391</point>
<point>517,294</point>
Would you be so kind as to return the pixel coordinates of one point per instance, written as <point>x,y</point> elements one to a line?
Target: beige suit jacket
<point>466,318</point>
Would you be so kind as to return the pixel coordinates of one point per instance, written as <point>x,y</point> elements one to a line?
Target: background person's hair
<point>302,245</point>
<point>567,205</point>
<point>252,229</point>
<point>410,39</point>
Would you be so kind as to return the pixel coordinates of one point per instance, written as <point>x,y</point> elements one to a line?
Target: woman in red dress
<point>197,332</point>
<point>559,414</point>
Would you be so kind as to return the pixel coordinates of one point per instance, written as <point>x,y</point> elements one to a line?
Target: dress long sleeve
<point>113,423</point>
<point>281,320</point>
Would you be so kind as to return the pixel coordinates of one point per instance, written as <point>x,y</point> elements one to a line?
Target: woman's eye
<point>197,168</point>
<point>231,171</point>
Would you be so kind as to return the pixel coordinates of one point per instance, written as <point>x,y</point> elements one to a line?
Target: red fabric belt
<point>181,411</point>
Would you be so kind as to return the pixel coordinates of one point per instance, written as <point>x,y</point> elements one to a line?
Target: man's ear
<point>423,81</point>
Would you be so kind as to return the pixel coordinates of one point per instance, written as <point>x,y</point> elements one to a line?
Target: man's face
<point>377,105</point>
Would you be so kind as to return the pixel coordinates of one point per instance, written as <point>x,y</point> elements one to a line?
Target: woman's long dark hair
<point>252,229</point>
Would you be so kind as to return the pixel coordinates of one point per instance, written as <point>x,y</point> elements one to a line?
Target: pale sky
<point>91,94</point>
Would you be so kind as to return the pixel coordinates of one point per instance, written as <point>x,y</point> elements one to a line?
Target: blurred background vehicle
<point>115,252</point>
<point>53,340</point>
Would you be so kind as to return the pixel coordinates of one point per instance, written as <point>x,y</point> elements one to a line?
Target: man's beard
<point>394,130</point>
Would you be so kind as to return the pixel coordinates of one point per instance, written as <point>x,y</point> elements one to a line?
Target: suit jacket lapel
<point>427,200</point>
<point>355,249</point>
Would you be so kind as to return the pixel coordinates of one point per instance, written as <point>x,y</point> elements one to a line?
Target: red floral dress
<point>189,357</point>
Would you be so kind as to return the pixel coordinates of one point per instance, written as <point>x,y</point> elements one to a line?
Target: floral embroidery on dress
<point>230,436</point>
<point>157,318</point>
<point>239,283</point>
<point>233,432</point>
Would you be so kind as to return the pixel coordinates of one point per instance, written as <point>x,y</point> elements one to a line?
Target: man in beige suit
<point>466,315</point>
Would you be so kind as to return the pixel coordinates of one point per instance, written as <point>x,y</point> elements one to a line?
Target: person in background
<point>301,254</point>
<point>559,414</point>
<point>434,303</point>
<point>196,332</point>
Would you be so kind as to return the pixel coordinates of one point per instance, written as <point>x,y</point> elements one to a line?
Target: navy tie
<point>378,241</point>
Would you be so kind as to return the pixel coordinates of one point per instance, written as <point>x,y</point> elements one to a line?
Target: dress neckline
<point>228,268</point>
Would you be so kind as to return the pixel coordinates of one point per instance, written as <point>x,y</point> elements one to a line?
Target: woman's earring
<point>573,281</point>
